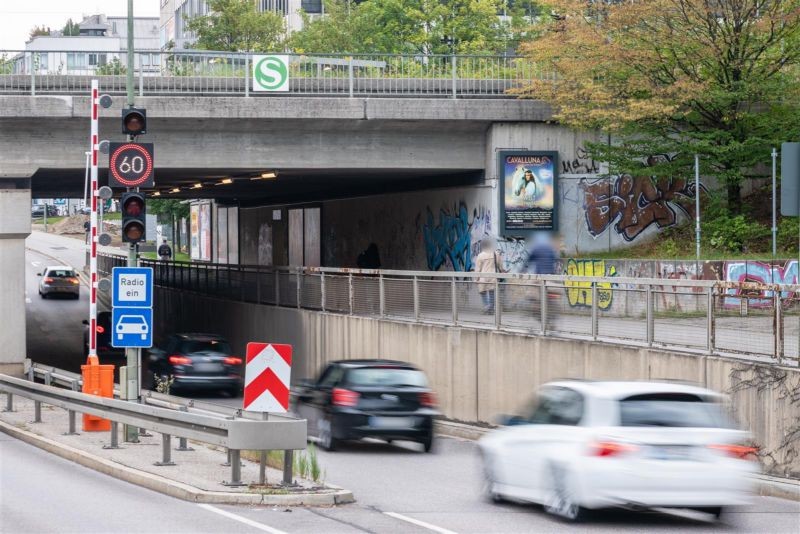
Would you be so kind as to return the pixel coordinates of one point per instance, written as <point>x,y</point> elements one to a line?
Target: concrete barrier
<point>481,373</point>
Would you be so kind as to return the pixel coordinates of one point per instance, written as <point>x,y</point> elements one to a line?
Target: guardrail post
<point>9,402</point>
<point>71,431</point>
<point>543,306</point>
<point>262,467</point>
<point>454,299</point>
<point>594,311</point>
<point>415,286</point>
<point>350,75</point>
<point>710,323</point>
<point>30,374</point>
<point>288,461</point>
<point>648,303</point>
<point>166,451</point>
<point>182,444</point>
<point>350,295</point>
<point>322,291</point>
<point>247,76</point>
<point>454,74</point>
<point>37,411</point>
<point>299,282</point>
<point>114,436</point>
<point>497,312</point>
<point>236,469</point>
<point>381,295</point>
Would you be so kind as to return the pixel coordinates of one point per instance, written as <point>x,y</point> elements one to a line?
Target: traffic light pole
<point>133,356</point>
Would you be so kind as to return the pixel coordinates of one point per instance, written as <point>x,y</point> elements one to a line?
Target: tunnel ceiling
<point>295,185</point>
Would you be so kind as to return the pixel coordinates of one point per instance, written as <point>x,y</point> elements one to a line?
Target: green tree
<point>237,26</point>
<point>38,30</point>
<point>113,67</point>
<point>343,29</point>
<point>675,77</point>
<point>6,65</point>
<point>71,28</point>
<point>170,211</point>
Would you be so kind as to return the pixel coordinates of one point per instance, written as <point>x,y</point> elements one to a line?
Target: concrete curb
<point>171,487</point>
<point>768,486</point>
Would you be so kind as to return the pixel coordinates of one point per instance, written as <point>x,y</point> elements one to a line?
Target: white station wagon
<point>588,445</point>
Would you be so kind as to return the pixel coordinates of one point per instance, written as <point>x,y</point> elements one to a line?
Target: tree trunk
<point>734,199</point>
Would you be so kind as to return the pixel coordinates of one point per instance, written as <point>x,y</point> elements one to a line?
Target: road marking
<point>250,522</point>
<point>36,263</point>
<point>419,523</point>
<point>27,300</point>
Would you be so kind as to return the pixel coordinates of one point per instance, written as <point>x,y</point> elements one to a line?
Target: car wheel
<point>326,439</point>
<point>427,443</point>
<point>42,295</point>
<point>559,500</point>
<point>715,511</point>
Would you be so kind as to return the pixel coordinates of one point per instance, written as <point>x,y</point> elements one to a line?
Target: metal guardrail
<point>170,416</point>
<point>699,316</point>
<point>58,72</point>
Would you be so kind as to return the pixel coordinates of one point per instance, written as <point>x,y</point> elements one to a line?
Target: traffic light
<point>134,121</point>
<point>133,217</point>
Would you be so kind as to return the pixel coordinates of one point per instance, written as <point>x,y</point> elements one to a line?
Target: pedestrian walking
<point>165,251</point>
<point>488,261</point>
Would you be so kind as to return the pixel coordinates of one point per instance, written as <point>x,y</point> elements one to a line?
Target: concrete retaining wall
<point>479,374</point>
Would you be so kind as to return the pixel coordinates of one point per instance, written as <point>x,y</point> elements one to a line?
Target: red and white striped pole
<point>93,147</point>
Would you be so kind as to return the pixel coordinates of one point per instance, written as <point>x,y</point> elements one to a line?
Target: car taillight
<point>48,280</point>
<point>180,360</point>
<point>743,452</point>
<point>610,448</point>
<point>74,281</point>
<point>232,360</point>
<point>428,399</point>
<point>344,397</point>
<point>100,329</point>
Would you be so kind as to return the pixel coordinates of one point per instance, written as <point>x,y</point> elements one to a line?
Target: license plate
<point>670,452</point>
<point>207,367</point>
<point>392,422</point>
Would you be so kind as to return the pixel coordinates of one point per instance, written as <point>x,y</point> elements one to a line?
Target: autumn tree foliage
<point>717,78</point>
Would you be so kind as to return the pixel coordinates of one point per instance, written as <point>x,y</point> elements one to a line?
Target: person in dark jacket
<point>165,251</point>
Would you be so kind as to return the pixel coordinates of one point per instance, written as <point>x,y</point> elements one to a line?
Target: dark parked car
<point>354,399</point>
<point>104,348</point>
<point>37,210</point>
<point>197,361</point>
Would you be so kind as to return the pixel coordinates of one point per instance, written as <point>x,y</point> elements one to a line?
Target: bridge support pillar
<point>15,226</point>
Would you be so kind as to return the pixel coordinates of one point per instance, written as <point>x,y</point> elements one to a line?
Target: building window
<point>97,59</point>
<point>76,60</point>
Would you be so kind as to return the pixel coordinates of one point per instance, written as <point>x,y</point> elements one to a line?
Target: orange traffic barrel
<point>97,380</point>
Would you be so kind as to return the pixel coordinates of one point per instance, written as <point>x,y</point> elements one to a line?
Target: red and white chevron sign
<point>266,377</point>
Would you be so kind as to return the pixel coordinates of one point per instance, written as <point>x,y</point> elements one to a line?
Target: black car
<point>37,210</point>
<point>354,399</point>
<point>197,361</point>
<point>104,348</point>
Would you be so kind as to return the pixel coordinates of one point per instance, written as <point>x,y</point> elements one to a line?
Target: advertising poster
<point>194,231</point>
<point>529,180</point>
<point>205,232</point>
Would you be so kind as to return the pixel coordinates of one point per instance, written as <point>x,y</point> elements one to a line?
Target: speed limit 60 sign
<point>130,165</point>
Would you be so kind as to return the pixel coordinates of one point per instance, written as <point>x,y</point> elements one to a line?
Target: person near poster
<point>489,260</point>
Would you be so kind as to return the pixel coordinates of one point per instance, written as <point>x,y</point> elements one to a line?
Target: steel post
<point>37,411</point>
<point>415,287</point>
<point>382,294</point>
<point>141,77</point>
<point>33,77</point>
<point>350,295</point>
<point>454,300</point>
<point>247,75</point>
<point>497,312</point>
<point>262,468</point>
<point>299,287</point>
<point>453,74</point>
<point>350,75</point>
<point>166,451</point>
<point>322,291</point>
<point>9,403</point>
<point>649,314</point>
<point>236,469</point>
<point>594,311</point>
<point>114,436</point>
<point>543,306</point>
<point>710,324</point>
<point>71,431</point>
<point>288,462</point>
<point>778,329</point>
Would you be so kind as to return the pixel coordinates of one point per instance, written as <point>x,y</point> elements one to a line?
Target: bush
<point>728,233</point>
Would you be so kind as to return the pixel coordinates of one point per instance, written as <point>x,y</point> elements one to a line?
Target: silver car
<point>59,280</point>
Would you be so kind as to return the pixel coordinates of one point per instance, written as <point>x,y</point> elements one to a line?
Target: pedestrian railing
<point>701,316</point>
<point>158,72</point>
<point>170,416</point>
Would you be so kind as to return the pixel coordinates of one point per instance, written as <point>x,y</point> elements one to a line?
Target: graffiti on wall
<point>635,203</point>
<point>449,239</point>
<point>582,163</point>
<point>579,293</point>
<point>761,273</point>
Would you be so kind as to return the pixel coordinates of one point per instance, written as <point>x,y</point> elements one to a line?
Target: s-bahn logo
<point>270,73</point>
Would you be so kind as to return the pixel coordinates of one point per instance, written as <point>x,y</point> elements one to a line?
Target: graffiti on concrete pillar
<point>448,241</point>
<point>635,203</point>
<point>579,293</point>
<point>582,163</point>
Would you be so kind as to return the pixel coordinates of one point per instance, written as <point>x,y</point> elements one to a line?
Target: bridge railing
<point>160,72</point>
<point>759,321</point>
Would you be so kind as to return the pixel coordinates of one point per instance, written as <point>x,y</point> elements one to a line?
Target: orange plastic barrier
<point>97,380</point>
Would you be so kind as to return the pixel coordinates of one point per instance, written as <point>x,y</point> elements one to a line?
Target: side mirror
<point>38,274</point>
<point>85,322</point>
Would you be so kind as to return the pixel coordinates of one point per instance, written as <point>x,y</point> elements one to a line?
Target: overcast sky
<point>17,18</point>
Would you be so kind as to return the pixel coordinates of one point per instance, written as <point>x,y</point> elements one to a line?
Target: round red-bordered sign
<point>123,168</point>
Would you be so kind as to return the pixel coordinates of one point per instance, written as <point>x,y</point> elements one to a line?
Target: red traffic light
<point>132,207</point>
<point>134,121</point>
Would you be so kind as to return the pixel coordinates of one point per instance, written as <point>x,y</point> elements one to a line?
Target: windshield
<point>209,345</point>
<point>672,410</point>
<point>386,376</point>
<point>61,273</point>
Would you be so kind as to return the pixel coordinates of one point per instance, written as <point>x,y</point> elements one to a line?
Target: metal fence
<point>224,73</point>
<point>754,320</point>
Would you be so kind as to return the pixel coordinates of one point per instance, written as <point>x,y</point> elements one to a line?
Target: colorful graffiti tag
<point>635,203</point>
<point>762,273</point>
<point>579,293</point>
<point>449,240</point>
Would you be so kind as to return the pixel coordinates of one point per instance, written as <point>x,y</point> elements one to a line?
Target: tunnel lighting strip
<point>94,143</point>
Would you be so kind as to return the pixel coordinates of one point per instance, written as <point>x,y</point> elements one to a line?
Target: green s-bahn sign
<point>271,73</point>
